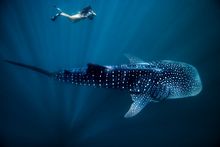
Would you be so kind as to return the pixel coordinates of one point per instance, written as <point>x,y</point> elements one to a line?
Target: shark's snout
<point>196,85</point>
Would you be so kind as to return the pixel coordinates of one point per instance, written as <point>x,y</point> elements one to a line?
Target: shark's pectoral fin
<point>140,101</point>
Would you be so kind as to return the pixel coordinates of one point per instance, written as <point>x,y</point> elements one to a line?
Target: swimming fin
<point>53,18</point>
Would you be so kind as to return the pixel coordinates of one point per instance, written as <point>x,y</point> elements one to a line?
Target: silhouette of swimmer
<point>86,12</point>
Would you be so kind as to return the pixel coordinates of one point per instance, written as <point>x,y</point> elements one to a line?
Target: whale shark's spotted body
<point>146,82</point>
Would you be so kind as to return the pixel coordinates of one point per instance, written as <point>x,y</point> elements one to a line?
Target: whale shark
<point>146,82</point>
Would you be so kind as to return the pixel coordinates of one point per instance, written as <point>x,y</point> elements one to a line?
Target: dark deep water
<point>36,110</point>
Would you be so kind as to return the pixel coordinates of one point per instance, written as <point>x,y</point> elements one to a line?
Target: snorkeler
<point>86,12</point>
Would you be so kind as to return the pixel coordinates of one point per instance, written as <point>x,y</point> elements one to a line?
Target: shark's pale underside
<point>145,81</point>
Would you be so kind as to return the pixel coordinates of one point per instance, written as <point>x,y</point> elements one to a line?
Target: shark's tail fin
<point>33,68</point>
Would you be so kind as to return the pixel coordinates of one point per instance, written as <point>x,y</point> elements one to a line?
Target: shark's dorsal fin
<point>94,68</point>
<point>134,60</point>
<point>140,101</point>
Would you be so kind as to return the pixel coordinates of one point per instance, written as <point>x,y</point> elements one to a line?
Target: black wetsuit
<point>85,11</point>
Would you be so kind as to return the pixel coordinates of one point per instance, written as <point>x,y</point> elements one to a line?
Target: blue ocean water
<point>36,110</point>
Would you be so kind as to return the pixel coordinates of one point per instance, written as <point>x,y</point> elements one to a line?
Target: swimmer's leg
<point>73,18</point>
<point>65,15</point>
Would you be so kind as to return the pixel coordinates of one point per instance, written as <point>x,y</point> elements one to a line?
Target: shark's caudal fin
<point>33,68</point>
